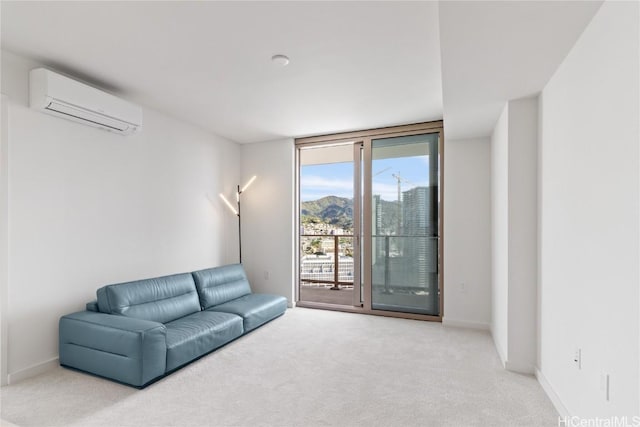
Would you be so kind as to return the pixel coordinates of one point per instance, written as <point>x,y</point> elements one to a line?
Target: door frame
<point>364,243</point>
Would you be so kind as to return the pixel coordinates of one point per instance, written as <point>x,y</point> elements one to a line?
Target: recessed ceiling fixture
<point>281,60</point>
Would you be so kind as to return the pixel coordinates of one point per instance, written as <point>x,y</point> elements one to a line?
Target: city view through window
<point>326,217</point>
<point>403,230</point>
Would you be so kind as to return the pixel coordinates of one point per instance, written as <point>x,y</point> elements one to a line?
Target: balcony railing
<point>399,261</point>
<point>326,259</point>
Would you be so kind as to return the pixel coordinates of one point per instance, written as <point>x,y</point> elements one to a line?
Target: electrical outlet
<point>577,358</point>
<point>266,275</point>
<point>463,288</point>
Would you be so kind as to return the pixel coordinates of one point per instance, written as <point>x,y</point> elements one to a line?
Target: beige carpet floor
<point>307,368</point>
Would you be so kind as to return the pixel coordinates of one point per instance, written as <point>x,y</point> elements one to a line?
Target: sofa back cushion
<point>221,284</point>
<point>161,299</point>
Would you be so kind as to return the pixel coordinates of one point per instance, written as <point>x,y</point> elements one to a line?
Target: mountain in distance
<point>339,211</point>
<point>329,210</point>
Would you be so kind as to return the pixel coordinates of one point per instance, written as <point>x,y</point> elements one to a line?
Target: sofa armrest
<point>129,350</point>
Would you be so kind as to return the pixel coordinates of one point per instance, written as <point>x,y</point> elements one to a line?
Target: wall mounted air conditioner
<point>61,96</point>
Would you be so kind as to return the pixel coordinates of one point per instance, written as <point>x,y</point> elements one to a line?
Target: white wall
<point>514,234</point>
<point>4,235</point>
<point>523,244</point>
<point>89,208</point>
<point>268,225</point>
<point>267,217</point>
<point>467,231</point>
<point>500,233</point>
<point>589,218</point>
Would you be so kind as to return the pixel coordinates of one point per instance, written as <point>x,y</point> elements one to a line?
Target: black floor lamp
<point>237,211</point>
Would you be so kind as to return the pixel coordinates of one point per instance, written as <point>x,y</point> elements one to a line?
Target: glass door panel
<point>405,224</point>
<point>327,271</point>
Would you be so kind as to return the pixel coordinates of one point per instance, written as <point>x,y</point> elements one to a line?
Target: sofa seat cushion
<point>197,334</point>
<point>255,309</point>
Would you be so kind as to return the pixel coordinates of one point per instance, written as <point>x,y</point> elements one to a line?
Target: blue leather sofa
<point>138,332</point>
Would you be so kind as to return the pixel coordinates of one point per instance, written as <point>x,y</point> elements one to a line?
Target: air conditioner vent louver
<point>84,115</point>
<point>61,96</point>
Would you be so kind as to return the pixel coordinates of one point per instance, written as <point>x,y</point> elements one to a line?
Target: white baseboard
<point>33,370</point>
<point>553,396</point>
<point>465,324</point>
<point>519,368</point>
<point>501,356</point>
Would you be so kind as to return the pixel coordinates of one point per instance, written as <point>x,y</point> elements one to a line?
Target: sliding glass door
<point>404,225</point>
<point>370,228</point>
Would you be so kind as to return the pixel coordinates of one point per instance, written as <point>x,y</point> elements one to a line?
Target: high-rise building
<point>377,228</point>
<point>419,231</point>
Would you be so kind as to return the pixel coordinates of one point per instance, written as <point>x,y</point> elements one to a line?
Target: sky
<point>336,179</point>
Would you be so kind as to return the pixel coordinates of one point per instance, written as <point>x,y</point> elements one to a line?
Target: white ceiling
<point>494,51</point>
<point>354,65</point>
